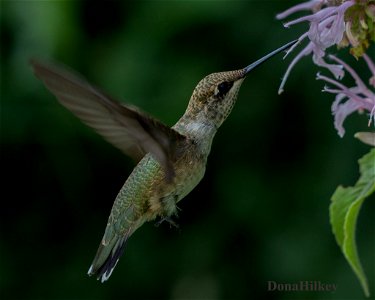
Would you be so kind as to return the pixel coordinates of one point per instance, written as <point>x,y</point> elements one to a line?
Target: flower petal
<point>308,5</point>
<point>342,111</point>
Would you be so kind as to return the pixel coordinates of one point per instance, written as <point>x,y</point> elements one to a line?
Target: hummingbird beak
<point>269,55</point>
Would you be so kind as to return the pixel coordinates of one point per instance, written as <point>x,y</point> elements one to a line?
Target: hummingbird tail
<point>107,257</point>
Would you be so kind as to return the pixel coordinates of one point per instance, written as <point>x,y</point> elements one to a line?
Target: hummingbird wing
<point>130,130</point>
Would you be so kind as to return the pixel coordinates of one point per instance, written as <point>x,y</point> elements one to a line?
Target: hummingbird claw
<point>169,220</point>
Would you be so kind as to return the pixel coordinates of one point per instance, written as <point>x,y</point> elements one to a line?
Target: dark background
<point>260,213</point>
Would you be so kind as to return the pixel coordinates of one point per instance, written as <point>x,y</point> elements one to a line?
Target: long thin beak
<point>269,55</point>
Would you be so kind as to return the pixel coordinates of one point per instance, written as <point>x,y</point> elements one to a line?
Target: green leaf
<point>344,209</point>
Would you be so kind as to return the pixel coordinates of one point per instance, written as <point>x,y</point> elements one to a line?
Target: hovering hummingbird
<point>171,161</point>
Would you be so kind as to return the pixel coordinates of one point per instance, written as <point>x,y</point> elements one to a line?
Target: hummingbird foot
<point>171,222</point>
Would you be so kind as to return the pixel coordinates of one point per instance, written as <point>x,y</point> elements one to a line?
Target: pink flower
<point>327,27</point>
<point>349,100</point>
<point>331,23</point>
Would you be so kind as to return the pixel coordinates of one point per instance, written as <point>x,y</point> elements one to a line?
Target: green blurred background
<point>260,213</point>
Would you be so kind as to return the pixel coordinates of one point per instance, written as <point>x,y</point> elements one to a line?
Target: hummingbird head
<point>210,104</point>
<point>215,95</point>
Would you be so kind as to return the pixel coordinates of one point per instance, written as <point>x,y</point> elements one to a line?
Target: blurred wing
<point>133,132</point>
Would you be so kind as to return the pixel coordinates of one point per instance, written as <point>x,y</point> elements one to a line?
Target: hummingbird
<point>171,160</point>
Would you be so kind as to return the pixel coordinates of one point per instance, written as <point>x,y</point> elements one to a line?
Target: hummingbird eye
<point>224,87</point>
